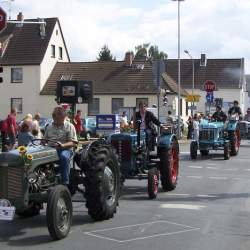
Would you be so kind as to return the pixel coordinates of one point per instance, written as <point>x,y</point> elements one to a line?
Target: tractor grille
<point>123,149</point>
<point>206,134</point>
<point>11,182</point>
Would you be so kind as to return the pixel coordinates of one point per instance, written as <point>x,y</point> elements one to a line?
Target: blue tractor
<point>159,161</point>
<point>217,136</point>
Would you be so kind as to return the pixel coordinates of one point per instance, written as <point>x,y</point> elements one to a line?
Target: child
<point>25,137</point>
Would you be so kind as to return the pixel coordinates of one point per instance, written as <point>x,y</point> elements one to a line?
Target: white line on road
<point>172,194</point>
<point>247,169</point>
<point>189,229</point>
<point>182,206</point>
<point>217,178</point>
<point>205,196</point>
<point>194,176</point>
<point>212,167</point>
<point>230,169</point>
<point>195,167</point>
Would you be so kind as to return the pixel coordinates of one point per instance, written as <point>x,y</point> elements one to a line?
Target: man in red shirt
<point>78,123</point>
<point>12,127</point>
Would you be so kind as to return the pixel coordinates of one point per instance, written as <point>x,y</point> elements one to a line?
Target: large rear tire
<point>59,212</point>
<point>193,150</point>
<point>169,166</point>
<point>234,138</point>
<point>102,182</point>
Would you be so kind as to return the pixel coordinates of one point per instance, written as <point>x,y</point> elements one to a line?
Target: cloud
<point>217,28</point>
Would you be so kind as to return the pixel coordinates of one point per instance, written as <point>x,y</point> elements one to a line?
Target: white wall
<point>28,90</point>
<point>48,62</point>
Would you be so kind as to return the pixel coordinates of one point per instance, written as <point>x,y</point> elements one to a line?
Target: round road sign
<point>209,86</point>
<point>3,19</point>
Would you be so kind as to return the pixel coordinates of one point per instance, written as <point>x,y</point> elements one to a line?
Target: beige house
<point>116,84</point>
<point>29,53</point>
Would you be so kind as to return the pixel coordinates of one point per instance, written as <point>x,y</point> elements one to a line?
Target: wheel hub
<point>62,214</point>
<point>109,185</point>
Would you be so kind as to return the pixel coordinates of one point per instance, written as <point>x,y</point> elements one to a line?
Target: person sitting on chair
<point>64,133</point>
<point>219,115</point>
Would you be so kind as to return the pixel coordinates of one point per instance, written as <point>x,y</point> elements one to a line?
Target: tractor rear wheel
<point>169,166</point>
<point>102,184</point>
<point>234,137</point>
<point>153,181</point>
<point>193,149</point>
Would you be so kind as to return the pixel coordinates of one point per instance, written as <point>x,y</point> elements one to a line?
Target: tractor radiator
<point>123,149</point>
<point>11,182</point>
<point>206,134</point>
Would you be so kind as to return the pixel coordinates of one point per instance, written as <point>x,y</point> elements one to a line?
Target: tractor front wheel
<point>59,212</point>
<point>153,181</point>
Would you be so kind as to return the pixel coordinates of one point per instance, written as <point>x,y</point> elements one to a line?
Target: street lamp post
<point>192,107</point>
<point>179,72</point>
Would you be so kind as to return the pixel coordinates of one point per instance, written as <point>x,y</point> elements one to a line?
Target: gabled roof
<point>108,77</point>
<point>25,45</point>
<point>227,73</point>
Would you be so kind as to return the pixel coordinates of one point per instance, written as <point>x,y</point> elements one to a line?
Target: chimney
<point>129,56</point>
<point>203,61</point>
<point>20,17</point>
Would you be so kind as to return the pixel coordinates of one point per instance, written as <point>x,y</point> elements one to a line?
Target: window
<point>186,108</point>
<point>53,51</point>
<point>60,53</point>
<point>94,107</point>
<point>17,103</point>
<point>144,100</point>
<point>116,104</point>
<point>181,107</point>
<point>16,75</point>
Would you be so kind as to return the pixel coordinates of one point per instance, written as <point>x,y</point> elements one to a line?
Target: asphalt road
<point>210,209</point>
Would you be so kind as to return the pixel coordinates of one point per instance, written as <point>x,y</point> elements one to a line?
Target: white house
<point>227,74</point>
<point>29,53</point>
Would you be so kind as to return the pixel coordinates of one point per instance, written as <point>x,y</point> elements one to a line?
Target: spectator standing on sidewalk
<point>190,127</point>
<point>78,123</point>
<point>196,128</point>
<point>12,128</point>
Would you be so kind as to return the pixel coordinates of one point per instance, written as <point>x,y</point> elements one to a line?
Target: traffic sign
<point>209,86</point>
<point>210,97</point>
<point>3,19</point>
<point>193,98</point>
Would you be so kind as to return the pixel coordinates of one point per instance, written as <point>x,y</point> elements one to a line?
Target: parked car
<point>89,127</point>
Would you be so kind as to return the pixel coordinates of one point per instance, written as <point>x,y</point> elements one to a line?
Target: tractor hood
<point>211,125</point>
<point>41,155</point>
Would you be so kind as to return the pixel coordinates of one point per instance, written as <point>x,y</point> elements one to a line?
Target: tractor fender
<point>165,140</point>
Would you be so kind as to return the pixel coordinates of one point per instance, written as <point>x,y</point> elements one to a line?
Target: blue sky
<point>218,28</point>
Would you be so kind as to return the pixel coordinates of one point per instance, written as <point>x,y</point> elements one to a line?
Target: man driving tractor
<point>64,133</point>
<point>219,115</point>
<point>148,120</point>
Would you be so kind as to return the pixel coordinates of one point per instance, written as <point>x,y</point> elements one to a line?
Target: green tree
<point>105,54</point>
<point>149,52</point>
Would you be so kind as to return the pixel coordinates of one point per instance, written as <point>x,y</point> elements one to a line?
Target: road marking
<point>195,167</point>
<point>182,206</point>
<point>237,179</point>
<point>231,169</point>
<point>194,176</point>
<point>247,169</point>
<point>212,167</point>
<point>205,196</point>
<point>172,194</point>
<point>212,164</point>
<point>217,178</point>
<point>93,233</point>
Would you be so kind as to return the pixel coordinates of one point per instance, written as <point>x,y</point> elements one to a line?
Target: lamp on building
<point>192,107</point>
<point>179,71</point>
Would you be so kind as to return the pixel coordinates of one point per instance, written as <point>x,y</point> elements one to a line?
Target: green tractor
<point>25,187</point>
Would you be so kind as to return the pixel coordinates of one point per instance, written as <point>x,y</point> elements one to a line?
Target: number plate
<point>7,213</point>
